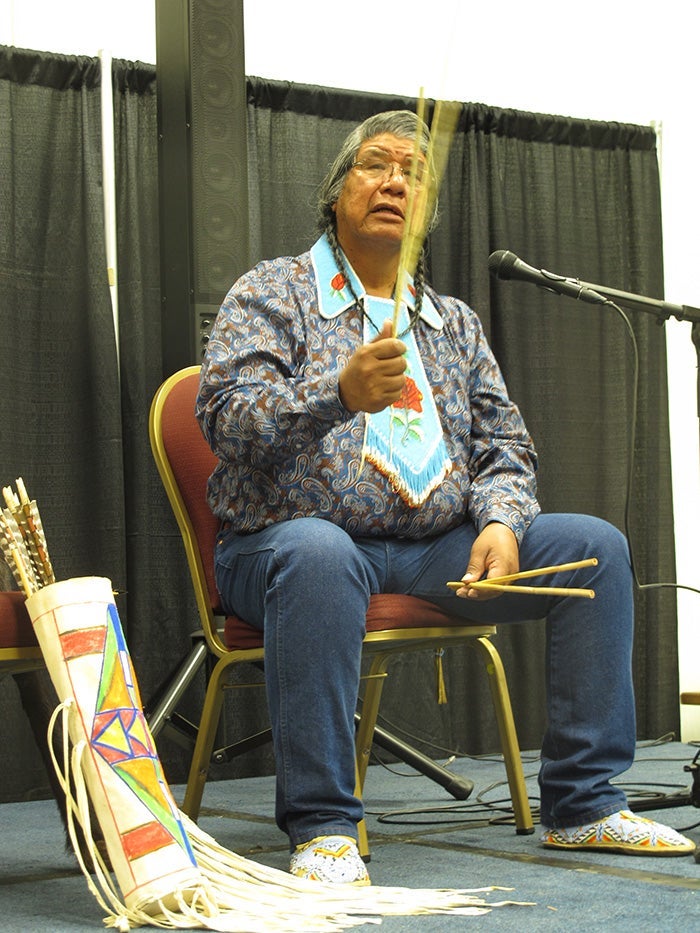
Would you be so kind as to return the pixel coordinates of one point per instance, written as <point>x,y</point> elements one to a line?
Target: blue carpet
<point>419,837</point>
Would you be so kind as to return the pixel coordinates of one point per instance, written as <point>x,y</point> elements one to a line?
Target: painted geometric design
<point>120,736</point>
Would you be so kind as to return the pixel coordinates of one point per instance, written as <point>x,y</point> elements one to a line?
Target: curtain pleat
<point>60,411</point>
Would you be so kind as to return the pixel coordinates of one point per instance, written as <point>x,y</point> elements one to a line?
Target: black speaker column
<point>203,178</point>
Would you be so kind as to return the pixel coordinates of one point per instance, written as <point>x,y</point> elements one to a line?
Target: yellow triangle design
<point>115,736</point>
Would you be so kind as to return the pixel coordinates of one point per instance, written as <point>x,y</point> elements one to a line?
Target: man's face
<point>371,209</point>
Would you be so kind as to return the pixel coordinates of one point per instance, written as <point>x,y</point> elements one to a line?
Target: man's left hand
<point>495,553</point>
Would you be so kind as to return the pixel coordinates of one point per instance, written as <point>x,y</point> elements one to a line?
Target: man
<point>355,458</point>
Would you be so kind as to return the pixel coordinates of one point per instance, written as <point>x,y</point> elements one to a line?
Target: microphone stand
<point>695,337</point>
<point>663,311</point>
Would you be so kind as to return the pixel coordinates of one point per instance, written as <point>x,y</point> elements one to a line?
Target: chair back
<point>19,649</point>
<point>185,461</point>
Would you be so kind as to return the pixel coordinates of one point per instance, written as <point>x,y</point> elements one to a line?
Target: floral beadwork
<point>338,283</point>
<point>410,401</point>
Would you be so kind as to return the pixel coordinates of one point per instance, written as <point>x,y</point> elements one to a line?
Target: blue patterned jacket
<point>269,407</point>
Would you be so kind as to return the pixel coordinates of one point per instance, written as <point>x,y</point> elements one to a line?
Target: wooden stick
<point>531,590</point>
<point>538,571</point>
<point>46,570</point>
<point>500,583</point>
<point>26,583</point>
<point>10,498</point>
<point>22,490</point>
<point>421,199</point>
<point>28,521</point>
<point>409,230</point>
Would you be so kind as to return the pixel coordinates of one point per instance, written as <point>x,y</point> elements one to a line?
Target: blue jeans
<point>307,584</point>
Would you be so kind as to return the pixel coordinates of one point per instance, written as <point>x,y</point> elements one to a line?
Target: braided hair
<point>401,123</point>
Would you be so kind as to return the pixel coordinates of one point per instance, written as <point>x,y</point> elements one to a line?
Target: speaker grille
<point>204,241</point>
<point>219,150</point>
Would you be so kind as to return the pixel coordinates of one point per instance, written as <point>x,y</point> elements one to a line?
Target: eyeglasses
<point>384,169</point>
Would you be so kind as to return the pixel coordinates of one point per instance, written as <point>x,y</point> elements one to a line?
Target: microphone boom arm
<point>663,309</point>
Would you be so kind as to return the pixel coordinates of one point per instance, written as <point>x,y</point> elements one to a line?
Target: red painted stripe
<point>144,839</point>
<point>83,641</point>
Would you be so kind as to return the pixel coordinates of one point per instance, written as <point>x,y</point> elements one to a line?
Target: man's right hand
<point>374,376</point>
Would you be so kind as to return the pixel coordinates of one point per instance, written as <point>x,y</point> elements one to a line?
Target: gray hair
<point>401,123</point>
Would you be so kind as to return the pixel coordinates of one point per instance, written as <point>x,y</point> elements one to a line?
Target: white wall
<point>598,59</point>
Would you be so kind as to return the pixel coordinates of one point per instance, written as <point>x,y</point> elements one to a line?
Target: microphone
<point>505,265</point>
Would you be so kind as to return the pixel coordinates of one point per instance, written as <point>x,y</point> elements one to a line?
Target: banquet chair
<point>21,656</point>
<point>394,624</point>
<point>19,649</point>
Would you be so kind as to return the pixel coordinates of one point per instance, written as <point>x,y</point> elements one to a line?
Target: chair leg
<point>362,839</point>
<point>508,736</point>
<point>206,734</point>
<point>370,710</point>
<point>364,736</point>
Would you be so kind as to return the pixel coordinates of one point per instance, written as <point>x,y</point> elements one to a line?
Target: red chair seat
<point>386,611</point>
<point>15,625</point>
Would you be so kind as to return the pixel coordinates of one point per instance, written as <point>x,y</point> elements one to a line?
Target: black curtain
<point>59,385</point>
<point>582,199</point>
<point>60,418</point>
<point>577,197</point>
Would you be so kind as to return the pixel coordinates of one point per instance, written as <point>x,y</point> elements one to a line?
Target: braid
<point>418,279</point>
<point>419,285</point>
<point>340,262</point>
